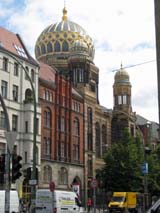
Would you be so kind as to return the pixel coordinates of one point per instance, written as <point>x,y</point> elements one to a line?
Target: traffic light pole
<point>7,161</point>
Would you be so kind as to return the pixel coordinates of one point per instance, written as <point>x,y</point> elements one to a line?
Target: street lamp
<point>147,151</point>
<point>34,124</point>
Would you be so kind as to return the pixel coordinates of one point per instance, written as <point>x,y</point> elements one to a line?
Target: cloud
<point>122,31</point>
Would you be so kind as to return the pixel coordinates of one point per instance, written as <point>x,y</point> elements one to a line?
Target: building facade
<point>66,47</point>
<point>16,92</point>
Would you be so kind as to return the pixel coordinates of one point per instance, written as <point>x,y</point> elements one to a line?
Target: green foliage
<point>123,166</point>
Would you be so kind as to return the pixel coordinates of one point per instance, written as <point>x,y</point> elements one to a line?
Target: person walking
<point>89,204</point>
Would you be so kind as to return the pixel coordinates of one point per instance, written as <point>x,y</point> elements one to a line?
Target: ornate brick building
<point>69,50</point>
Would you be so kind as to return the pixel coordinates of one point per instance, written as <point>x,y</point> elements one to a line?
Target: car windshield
<point>118,199</point>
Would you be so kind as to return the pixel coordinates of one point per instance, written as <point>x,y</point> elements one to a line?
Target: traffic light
<point>16,166</point>
<point>2,168</point>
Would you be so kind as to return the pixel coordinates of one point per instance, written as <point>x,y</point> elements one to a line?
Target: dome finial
<point>64,17</point>
<point>121,65</point>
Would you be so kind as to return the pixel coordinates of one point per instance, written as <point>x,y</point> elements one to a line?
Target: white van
<point>14,201</point>
<point>64,201</point>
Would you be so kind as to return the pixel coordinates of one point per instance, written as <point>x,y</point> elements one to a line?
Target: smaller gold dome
<point>79,46</point>
<point>122,76</point>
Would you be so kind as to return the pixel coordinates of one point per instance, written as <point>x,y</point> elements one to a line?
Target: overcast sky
<point>122,31</point>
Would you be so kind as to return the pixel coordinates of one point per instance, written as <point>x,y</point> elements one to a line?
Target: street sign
<point>52,186</point>
<point>94,183</point>
<point>32,182</point>
<point>144,168</point>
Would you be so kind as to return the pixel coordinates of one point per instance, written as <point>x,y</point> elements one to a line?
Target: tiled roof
<point>13,43</point>
<point>46,72</point>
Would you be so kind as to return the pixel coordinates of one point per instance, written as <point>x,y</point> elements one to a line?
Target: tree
<point>123,166</point>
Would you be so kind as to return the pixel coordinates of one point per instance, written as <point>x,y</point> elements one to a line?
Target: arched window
<point>47,118</point>
<point>63,176</point>
<point>98,142</point>
<point>47,146</point>
<point>57,46</point>
<point>47,174</point>
<point>49,47</point>
<point>28,95</point>
<point>89,118</point>
<point>76,127</point>
<point>65,47</point>
<point>43,49</point>
<point>76,140</point>
<point>104,139</point>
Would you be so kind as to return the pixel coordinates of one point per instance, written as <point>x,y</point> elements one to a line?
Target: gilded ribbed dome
<point>122,76</point>
<point>79,46</point>
<point>59,37</point>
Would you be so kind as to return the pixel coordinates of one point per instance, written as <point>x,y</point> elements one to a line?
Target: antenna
<point>134,65</point>
<point>64,3</point>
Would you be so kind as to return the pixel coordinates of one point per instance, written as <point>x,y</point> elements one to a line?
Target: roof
<point>46,72</point>
<point>141,121</point>
<point>13,43</point>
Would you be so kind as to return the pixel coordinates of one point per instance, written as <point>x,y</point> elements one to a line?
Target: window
<point>4,88</point>
<point>47,175</point>
<point>32,75</point>
<point>98,150</point>
<point>28,95</point>
<point>43,49</point>
<point>16,69</point>
<point>124,99</point>
<point>47,118</point>
<point>62,124</point>
<point>49,47</point>
<point>65,46</point>
<point>26,127</point>
<point>2,120</point>
<point>15,93</point>
<point>14,123</point>
<point>119,99</point>
<point>89,114</point>
<point>47,146</point>
<point>76,127</point>
<point>76,152</point>
<point>63,176</point>
<point>26,73</point>
<point>76,139</point>
<point>81,75</point>
<point>62,150</point>
<point>25,157</point>
<point>104,139</point>
<point>37,126</point>
<point>57,46</point>
<point>5,64</point>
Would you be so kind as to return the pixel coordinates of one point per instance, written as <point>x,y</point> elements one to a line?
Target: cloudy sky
<point>122,31</point>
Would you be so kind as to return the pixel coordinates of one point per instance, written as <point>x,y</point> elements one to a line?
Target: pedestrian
<point>89,204</point>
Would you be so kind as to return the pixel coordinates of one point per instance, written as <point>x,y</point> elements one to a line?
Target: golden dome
<point>122,76</point>
<point>58,38</point>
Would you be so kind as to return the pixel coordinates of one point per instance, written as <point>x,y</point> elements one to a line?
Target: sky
<point>123,31</point>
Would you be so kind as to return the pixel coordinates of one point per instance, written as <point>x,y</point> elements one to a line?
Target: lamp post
<point>33,188</point>
<point>147,151</point>
<point>7,161</point>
